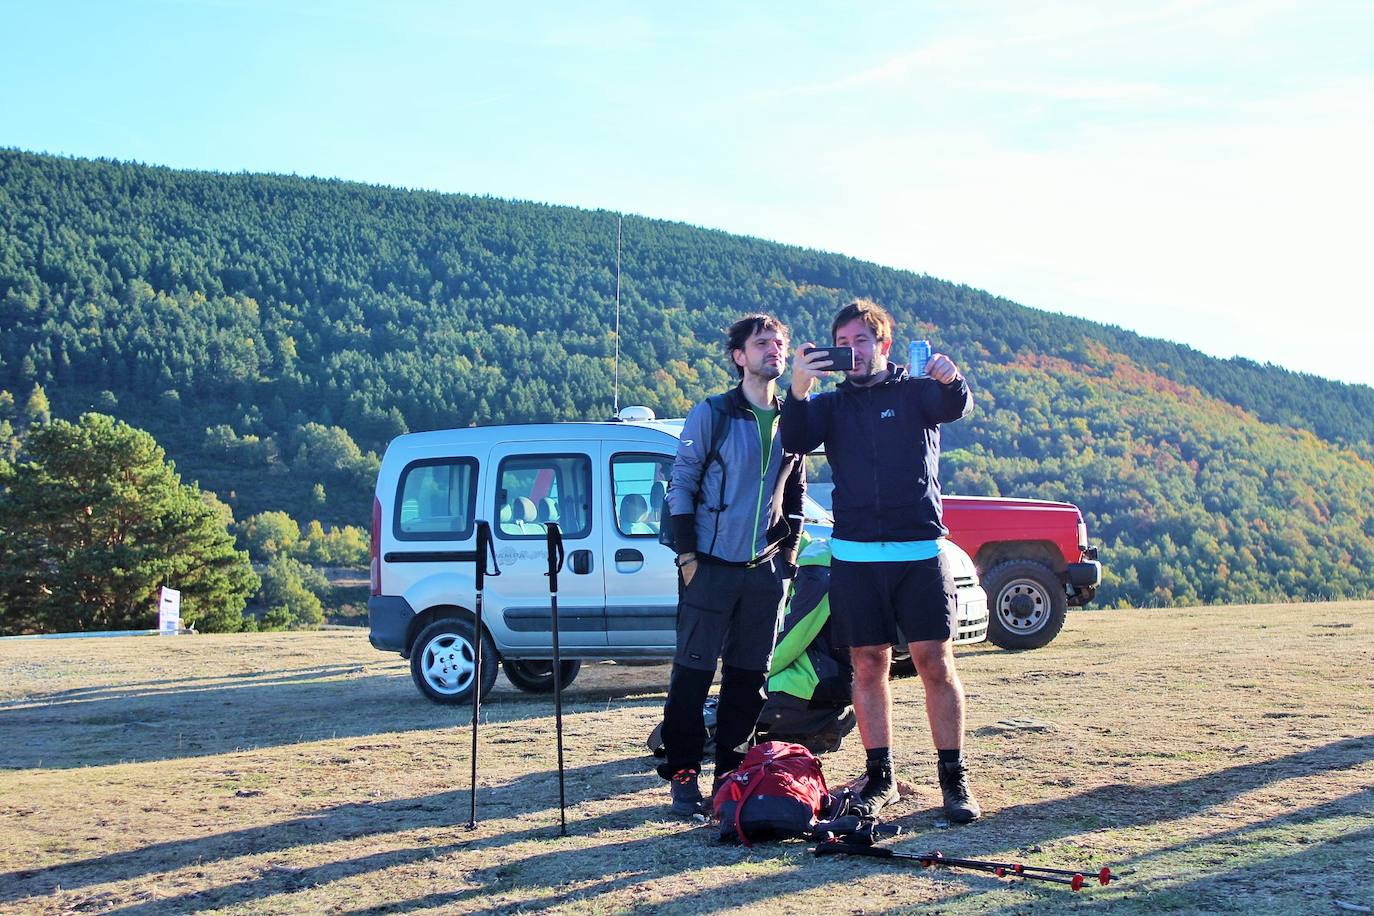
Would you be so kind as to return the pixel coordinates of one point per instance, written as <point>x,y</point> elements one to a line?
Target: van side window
<point>638,485</point>
<point>436,500</point>
<point>534,489</point>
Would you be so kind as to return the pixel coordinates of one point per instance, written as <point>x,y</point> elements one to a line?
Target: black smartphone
<point>840,357</point>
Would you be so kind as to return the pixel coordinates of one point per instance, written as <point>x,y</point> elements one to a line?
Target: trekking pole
<point>1104,875</point>
<point>555,547</point>
<point>1073,879</point>
<point>483,546</point>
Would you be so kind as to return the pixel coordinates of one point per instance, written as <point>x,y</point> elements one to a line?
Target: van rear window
<point>436,500</point>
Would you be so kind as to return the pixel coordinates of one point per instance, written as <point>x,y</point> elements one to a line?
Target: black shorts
<point>729,613</point>
<point>881,604</point>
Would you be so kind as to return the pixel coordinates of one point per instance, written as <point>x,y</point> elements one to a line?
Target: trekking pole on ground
<point>483,547</point>
<point>555,546</point>
<point>1073,879</point>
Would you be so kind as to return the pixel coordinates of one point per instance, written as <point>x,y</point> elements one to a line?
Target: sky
<point>1196,170</point>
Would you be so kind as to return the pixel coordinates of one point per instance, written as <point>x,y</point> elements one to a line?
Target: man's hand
<point>942,369</point>
<point>806,368</point>
<point>687,565</point>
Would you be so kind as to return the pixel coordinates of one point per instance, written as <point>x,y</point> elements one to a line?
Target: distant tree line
<point>273,333</point>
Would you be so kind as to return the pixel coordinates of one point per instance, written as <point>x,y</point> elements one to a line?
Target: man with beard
<point>881,430</point>
<point>736,504</point>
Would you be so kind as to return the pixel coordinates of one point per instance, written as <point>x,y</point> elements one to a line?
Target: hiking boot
<point>686,793</point>
<point>879,790</point>
<point>960,805</point>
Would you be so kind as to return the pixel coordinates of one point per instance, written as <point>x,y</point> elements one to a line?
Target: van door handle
<point>628,560</point>
<point>580,562</point>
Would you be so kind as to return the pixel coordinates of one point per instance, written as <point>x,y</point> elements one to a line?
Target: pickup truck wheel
<point>443,662</point>
<point>536,675</point>
<point>902,665</point>
<point>1028,604</point>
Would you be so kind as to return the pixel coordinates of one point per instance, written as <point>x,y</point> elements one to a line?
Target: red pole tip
<point>1077,882</point>
<point>1104,876</point>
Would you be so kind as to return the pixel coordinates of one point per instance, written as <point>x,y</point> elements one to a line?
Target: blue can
<point>917,355</point>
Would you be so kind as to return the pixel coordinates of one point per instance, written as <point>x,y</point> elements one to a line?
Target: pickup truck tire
<point>534,675</point>
<point>443,661</point>
<point>1028,604</point>
<point>902,665</point>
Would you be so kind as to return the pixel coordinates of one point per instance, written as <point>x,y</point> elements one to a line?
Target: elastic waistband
<point>883,551</point>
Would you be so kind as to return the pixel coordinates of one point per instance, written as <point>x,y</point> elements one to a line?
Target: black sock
<point>951,757</point>
<point>879,760</point>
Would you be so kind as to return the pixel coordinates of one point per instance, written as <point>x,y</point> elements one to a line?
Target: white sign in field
<point>169,612</point>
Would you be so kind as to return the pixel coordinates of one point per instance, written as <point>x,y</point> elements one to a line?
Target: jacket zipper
<point>763,478</point>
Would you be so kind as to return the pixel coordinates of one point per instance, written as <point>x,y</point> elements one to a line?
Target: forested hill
<point>271,331</point>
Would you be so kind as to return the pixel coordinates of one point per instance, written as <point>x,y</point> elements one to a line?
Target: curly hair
<point>740,332</point>
<point>867,311</point>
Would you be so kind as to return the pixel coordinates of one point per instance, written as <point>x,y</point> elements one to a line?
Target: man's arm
<point>688,468</point>
<point>792,511</point>
<point>804,423</point>
<point>949,399</point>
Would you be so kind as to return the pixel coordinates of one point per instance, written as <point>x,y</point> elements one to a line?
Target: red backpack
<point>777,792</point>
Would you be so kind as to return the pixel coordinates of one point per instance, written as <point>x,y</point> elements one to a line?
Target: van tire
<point>443,657</point>
<point>1027,604</point>
<point>535,675</point>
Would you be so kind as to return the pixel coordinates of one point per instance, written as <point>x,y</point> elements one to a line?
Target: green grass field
<point>1221,759</point>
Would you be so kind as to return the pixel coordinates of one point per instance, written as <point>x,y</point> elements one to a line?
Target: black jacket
<point>883,445</point>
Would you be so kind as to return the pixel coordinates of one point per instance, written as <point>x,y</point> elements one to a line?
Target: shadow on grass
<point>1123,804</point>
<point>560,876</point>
<point>205,716</point>
<point>443,811</point>
<point>168,687</point>
<point>582,874</point>
<point>1306,879</point>
<point>1288,882</point>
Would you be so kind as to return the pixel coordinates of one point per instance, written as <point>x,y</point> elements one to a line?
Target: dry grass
<point>1220,758</point>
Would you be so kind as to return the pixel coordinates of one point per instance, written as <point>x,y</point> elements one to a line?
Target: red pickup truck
<point>1033,560</point>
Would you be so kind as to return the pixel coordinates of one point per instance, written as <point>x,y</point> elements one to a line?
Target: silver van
<point>604,483</point>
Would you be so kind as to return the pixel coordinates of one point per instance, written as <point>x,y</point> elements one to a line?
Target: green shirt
<point>767,417</point>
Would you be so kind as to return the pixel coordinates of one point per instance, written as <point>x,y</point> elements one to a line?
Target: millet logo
<point>887,414</point>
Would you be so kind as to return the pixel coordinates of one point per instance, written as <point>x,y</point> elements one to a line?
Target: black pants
<point>730,612</point>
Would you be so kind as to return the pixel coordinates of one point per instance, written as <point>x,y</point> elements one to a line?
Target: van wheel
<point>443,662</point>
<point>1028,604</point>
<point>535,675</point>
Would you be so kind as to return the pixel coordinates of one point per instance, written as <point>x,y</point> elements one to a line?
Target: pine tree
<point>94,520</point>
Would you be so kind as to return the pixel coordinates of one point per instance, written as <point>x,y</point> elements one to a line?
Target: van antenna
<point>616,411</point>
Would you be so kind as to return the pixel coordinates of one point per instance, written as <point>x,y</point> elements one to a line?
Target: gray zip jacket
<point>735,511</point>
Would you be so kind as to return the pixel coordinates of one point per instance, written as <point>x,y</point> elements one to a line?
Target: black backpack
<point>720,416</point>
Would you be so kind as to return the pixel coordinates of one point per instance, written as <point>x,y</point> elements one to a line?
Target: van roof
<point>572,430</point>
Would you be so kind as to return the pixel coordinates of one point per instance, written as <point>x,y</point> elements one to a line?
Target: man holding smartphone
<point>736,505</point>
<point>881,431</point>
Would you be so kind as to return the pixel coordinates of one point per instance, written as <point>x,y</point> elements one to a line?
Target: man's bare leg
<point>945,712</point>
<point>872,696</point>
<point>934,662</point>
<point>873,709</point>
